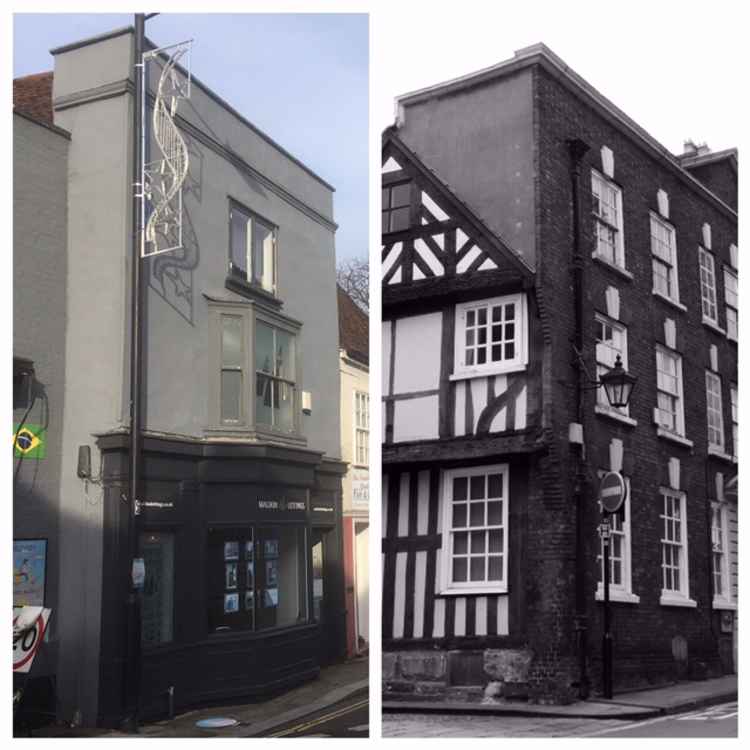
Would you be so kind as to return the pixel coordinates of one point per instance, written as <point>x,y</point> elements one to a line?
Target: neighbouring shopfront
<point>242,554</point>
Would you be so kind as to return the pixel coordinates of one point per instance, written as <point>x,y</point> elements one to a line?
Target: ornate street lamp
<point>618,384</point>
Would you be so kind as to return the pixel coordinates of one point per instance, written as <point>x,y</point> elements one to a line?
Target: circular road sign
<point>612,491</point>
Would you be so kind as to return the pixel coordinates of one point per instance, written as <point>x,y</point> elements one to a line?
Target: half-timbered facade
<point>532,233</point>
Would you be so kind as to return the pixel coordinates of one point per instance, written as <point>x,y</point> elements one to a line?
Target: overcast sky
<point>301,78</point>
<point>679,69</point>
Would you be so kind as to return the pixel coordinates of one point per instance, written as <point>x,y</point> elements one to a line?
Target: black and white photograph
<point>559,281</point>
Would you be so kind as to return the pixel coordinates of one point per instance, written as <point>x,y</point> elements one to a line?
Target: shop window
<point>475,530</point>
<point>664,259</point>
<point>157,609</point>
<point>275,374</point>
<point>318,593</point>
<point>490,336</point>
<point>257,578</point>
<point>252,254</point>
<point>607,203</point>
<point>396,207</point>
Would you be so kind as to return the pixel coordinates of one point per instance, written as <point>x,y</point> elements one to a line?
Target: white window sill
<point>723,604</point>
<point>603,411</point>
<point>667,435</point>
<point>713,325</point>
<point>477,373</point>
<point>612,266</point>
<point>474,591</point>
<point>675,600</point>
<point>617,595</point>
<point>718,451</point>
<point>669,300</point>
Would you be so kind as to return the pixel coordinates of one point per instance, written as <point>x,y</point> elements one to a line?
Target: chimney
<point>690,148</point>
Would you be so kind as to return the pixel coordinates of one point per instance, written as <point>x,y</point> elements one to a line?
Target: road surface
<point>349,718</point>
<point>716,721</point>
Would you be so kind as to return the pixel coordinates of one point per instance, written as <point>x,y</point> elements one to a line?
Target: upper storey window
<point>275,375</point>
<point>732,305</point>
<point>607,203</point>
<point>252,248</point>
<point>491,336</point>
<point>664,259</point>
<point>708,286</point>
<point>396,207</point>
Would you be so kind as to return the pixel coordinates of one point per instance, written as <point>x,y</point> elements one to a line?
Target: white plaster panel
<point>467,260</point>
<point>502,616</point>
<point>391,165</point>
<point>415,419</point>
<point>488,265</point>
<point>390,259</point>
<point>480,627</point>
<point>521,408</point>
<point>460,423</point>
<point>396,278</point>
<point>461,238</point>
<point>399,600</point>
<point>438,626</point>
<point>420,571</point>
<point>428,257</point>
<point>416,273</point>
<point>478,399</point>
<point>500,421</point>
<point>417,359</point>
<point>460,616</point>
<point>433,207</point>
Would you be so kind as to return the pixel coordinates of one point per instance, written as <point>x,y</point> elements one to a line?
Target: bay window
<point>275,391</point>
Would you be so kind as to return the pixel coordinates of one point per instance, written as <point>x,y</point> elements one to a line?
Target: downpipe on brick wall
<point>577,150</point>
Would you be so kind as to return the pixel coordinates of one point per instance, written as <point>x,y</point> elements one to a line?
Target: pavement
<point>629,706</point>
<point>335,684</point>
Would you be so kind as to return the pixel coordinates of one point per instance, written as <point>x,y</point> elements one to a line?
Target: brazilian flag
<point>30,441</point>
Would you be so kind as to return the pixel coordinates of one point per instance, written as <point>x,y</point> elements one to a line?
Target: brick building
<point>532,232</point>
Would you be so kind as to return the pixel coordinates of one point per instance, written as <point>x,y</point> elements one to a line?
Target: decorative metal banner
<point>162,179</point>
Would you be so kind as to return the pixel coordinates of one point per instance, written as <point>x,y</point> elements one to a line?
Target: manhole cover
<point>216,723</point>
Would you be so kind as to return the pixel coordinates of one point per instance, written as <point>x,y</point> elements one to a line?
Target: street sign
<point>29,625</point>
<point>612,491</point>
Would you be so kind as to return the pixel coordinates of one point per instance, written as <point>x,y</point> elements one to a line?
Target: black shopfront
<point>243,590</point>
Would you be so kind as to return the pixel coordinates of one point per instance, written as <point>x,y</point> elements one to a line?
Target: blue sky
<point>301,78</point>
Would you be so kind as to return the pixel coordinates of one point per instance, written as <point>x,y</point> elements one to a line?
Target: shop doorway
<point>322,595</point>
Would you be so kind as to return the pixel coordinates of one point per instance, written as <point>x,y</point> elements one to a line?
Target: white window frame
<point>679,427</point>
<point>267,282</point>
<point>673,291</point>
<point>361,412</point>
<point>623,591</point>
<point>735,422</point>
<point>714,413</point>
<point>707,279</point>
<point>720,546</point>
<point>671,596</point>
<point>602,366</point>
<point>731,303</point>
<point>446,585</point>
<point>517,362</point>
<point>606,222</point>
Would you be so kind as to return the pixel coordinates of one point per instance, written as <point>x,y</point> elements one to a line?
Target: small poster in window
<point>270,597</point>
<point>250,574</point>
<point>249,550</point>
<point>272,572</point>
<point>231,550</point>
<point>230,575</point>
<point>231,603</point>
<point>29,571</point>
<point>271,548</point>
<point>249,601</point>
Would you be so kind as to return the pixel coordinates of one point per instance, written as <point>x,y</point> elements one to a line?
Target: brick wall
<point>643,632</point>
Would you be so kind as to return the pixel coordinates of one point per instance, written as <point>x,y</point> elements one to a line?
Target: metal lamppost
<point>618,385</point>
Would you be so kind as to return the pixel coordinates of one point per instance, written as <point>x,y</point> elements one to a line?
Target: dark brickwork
<point>643,632</point>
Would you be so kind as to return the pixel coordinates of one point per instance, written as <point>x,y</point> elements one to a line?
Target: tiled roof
<point>32,96</point>
<point>354,328</point>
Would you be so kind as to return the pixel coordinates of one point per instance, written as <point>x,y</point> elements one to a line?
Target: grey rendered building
<point>239,483</point>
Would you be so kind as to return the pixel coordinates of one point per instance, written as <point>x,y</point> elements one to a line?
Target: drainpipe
<point>133,631</point>
<point>577,149</point>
